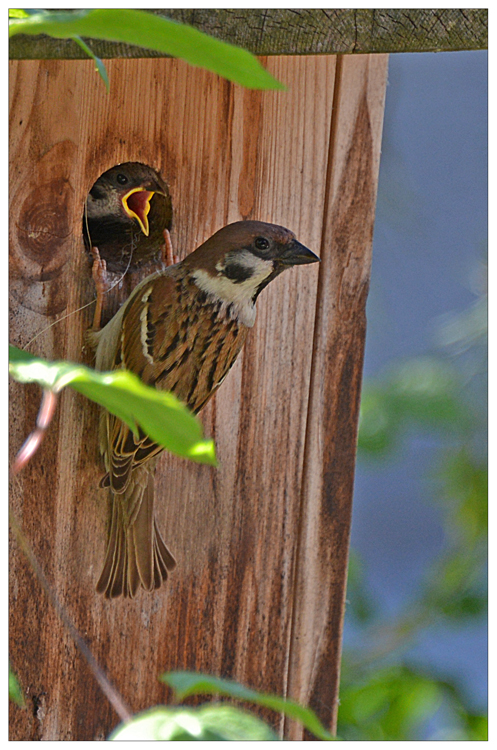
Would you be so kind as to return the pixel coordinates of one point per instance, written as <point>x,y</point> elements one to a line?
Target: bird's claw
<point>168,256</point>
<point>99,271</point>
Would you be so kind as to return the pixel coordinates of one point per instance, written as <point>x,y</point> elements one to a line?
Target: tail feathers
<point>164,561</point>
<point>136,554</point>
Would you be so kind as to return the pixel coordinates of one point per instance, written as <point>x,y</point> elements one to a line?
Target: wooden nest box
<point>261,542</point>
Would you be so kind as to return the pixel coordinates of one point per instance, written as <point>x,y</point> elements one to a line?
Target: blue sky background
<point>429,244</point>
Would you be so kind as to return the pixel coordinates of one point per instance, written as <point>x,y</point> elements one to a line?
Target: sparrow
<point>180,330</point>
<point>125,214</point>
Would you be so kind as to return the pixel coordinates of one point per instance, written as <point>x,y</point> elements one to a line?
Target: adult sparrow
<point>180,330</point>
<point>125,215</point>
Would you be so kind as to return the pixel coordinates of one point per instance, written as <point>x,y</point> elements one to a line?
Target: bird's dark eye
<point>261,243</point>
<point>122,179</point>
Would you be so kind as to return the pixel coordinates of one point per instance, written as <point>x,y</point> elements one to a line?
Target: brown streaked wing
<point>183,346</point>
<point>154,302</point>
<point>154,306</point>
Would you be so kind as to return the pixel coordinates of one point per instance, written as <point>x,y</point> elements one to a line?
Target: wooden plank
<point>226,154</point>
<point>299,31</point>
<point>339,336</point>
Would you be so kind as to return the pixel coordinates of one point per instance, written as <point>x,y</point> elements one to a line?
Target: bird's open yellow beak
<point>136,203</point>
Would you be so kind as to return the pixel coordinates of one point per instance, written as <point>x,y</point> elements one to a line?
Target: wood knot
<point>43,228</point>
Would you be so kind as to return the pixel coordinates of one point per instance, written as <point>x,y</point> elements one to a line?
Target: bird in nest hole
<point>125,215</point>
<point>180,330</point>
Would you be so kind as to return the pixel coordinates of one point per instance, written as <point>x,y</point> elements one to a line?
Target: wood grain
<point>241,533</point>
<point>339,336</point>
<point>298,31</point>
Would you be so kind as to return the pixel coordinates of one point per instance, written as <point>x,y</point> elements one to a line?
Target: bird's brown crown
<point>241,235</point>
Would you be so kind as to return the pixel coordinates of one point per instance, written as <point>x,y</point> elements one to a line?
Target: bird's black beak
<point>296,254</point>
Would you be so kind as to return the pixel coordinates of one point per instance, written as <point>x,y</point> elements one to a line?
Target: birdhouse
<point>260,541</point>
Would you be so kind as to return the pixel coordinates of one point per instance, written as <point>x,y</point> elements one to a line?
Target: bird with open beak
<point>180,330</point>
<point>125,215</point>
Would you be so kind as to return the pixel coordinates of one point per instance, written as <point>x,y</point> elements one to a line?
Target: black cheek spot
<point>238,273</point>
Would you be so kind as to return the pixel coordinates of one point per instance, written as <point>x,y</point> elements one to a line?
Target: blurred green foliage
<point>15,692</point>
<point>391,703</point>
<point>185,684</point>
<point>214,721</point>
<point>385,694</point>
<point>208,723</point>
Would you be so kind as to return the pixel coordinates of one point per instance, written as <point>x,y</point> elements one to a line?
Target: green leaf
<point>388,704</point>
<point>207,723</point>
<point>422,392</point>
<point>152,32</point>
<point>464,481</point>
<point>476,727</point>
<point>17,13</point>
<point>193,683</point>
<point>361,604</point>
<point>99,66</point>
<point>159,413</point>
<point>378,423</point>
<point>15,692</point>
<point>426,389</point>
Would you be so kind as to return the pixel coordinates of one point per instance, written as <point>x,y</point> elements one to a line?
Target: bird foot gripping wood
<point>167,253</point>
<point>99,274</point>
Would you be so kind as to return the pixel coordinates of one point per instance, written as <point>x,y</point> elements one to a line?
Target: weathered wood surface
<point>339,333</point>
<point>302,31</point>
<point>260,542</point>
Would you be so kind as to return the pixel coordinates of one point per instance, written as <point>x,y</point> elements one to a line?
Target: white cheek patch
<point>239,294</point>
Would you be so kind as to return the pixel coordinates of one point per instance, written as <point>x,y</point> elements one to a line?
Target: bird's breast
<point>234,299</point>
<point>204,338</point>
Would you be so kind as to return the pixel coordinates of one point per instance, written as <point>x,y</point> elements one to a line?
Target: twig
<point>33,442</point>
<point>107,687</point>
